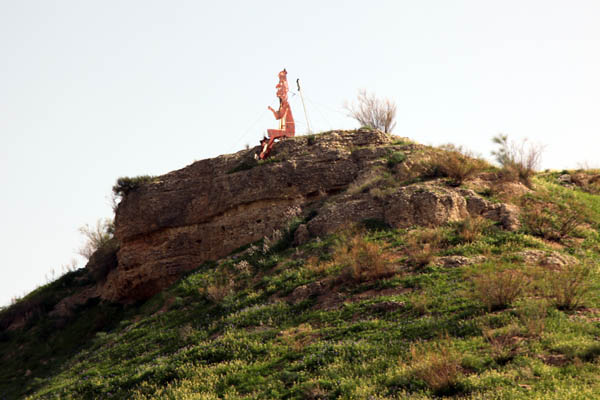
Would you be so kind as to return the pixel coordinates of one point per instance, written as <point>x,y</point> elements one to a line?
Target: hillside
<point>351,264</point>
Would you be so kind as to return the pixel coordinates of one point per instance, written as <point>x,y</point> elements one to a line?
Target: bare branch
<point>373,112</point>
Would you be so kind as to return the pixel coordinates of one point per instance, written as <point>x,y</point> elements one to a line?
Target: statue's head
<point>283,74</point>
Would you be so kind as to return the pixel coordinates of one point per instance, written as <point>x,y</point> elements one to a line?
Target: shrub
<point>244,165</point>
<point>373,112</point>
<point>500,288</point>
<point>457,164</point>
<point>366,181</point>
<point>420,303</point>
<point>298,337</point>
<point>125,184</point>
<point>375,224</point>
<point>551,216</point>
<point>97,237</point>
<point>395,158</point>
<point>504,345</point>
<point>570,284</point>
<point>422,245</point>
<point>470,229</point>
<point>218,290</point>
<point>437,366</point>
<point>362,259</point>
<point>532,315</point>
<point>222,282</point>
<point>103,260</point>
<point>519,161</point>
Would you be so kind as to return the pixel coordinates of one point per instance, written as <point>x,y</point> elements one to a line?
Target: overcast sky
<point>94,90</point>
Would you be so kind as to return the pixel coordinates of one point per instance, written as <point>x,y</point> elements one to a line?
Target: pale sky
<point>94,90</point>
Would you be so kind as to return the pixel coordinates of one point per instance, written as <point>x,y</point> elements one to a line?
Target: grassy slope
<point>234,332</point>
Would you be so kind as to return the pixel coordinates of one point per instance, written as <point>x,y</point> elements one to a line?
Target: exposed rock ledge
<point>206,210</point>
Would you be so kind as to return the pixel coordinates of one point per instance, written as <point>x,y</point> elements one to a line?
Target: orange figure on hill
<point>283,115</point>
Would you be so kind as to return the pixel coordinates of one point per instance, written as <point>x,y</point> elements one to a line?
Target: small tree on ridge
<point>373,111</point>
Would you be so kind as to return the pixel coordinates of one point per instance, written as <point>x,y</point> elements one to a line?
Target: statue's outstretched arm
<point>275,113</point>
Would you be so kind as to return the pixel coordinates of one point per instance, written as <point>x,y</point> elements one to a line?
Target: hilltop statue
<point>283,115</point>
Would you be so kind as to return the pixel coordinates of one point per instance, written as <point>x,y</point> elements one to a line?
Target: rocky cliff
<point>173,223</point>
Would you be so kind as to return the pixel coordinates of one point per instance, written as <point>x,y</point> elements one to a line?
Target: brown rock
<point>208,209</point>
<point>303,292</point>
<point>551,260</point>
<point>459,261</point>
<point>174,223</point>
<point>66,307</point>
<point>344,212</point>
<point>506,214</point>
<point>423,205</point>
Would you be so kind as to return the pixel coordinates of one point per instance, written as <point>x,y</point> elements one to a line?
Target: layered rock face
<point>205,211</point>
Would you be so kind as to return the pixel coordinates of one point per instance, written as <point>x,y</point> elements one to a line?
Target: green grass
<point>395,158</point>
<point>351,340</point>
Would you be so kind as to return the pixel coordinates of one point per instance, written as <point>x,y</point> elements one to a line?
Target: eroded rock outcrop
<point>174,223</point>
<point>206,210</point>
<point>417,204</point>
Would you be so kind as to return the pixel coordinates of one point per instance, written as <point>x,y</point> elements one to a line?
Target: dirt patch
<point>331,294</point>
<point>369,294</point>
<point>587,314</point>
<point>556,360</point>
<point>387,306</point>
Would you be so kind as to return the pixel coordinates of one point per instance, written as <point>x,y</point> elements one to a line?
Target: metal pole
<point>303,105</point>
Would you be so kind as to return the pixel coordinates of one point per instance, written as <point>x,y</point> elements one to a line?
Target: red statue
<point>283,115</point>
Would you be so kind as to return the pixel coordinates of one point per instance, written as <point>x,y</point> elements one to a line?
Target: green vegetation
<point>395,158</point>
<point>558,213</point>
<point>97,237</point>
<point>457,164</point>
<point>125,184</point>
<point>352,315</point>
<point>519,161</point>
<point>244,166</point>
<point>463,310</point>
<point>251,163</point>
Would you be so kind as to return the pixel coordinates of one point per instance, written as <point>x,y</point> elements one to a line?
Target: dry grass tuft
<point>364,260</point>
<point>457,163</point>
<point>314,391</point>
<point>422,245</point>
<point>551,218</point>
<point>220,287</point>
<point>186,332</point>
<point>499,289</point>
<point>298,337</point>
<point>376,179</point>
<point>438,366</point>
<point>470,229</point>
<point>569,285</point>
<point>217,292</point>
<point>519,160</point>
<point>420,302</point>
<point>504,345</point>
<point>533,318</point>
<point>315,265</point>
